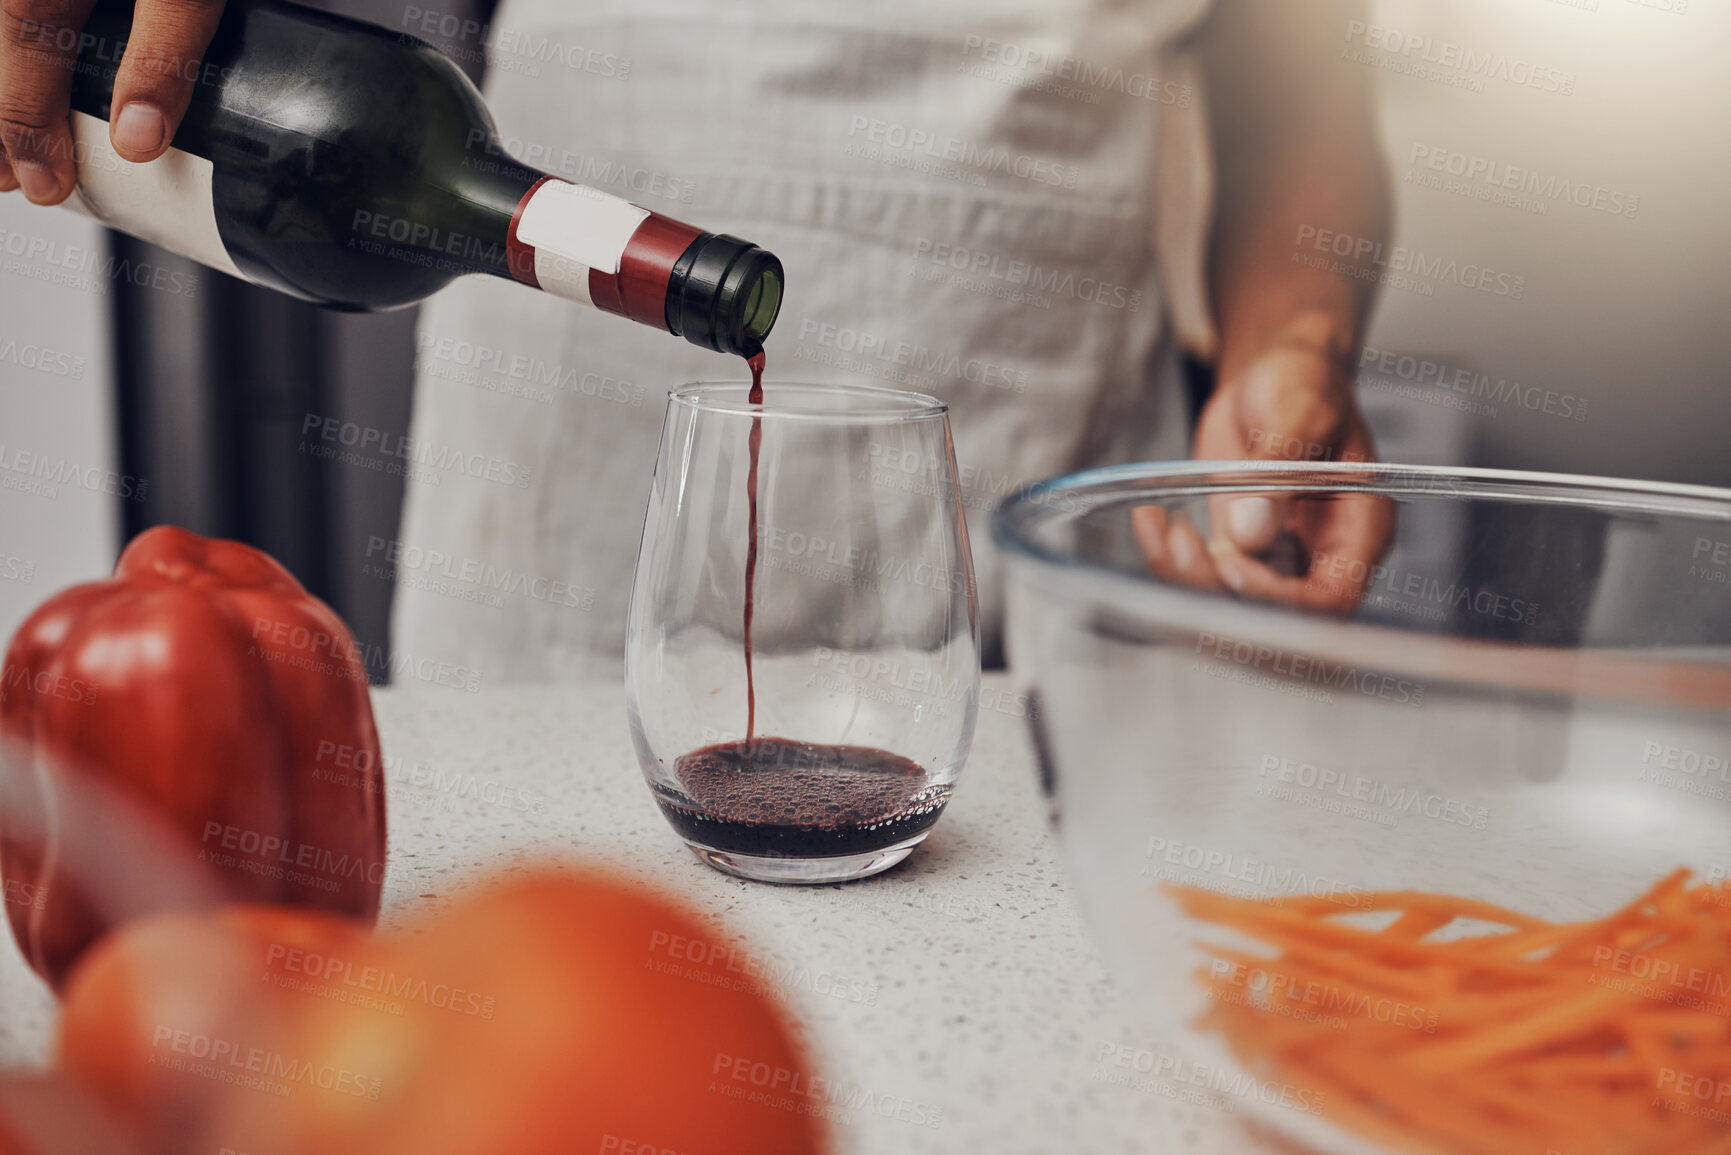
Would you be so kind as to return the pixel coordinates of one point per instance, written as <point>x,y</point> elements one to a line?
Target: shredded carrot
<point>1461,1028</point>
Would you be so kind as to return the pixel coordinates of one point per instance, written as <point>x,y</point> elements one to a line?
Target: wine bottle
<point>359,169</point>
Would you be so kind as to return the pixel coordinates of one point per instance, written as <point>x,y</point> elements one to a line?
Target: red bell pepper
<point>196,728</point>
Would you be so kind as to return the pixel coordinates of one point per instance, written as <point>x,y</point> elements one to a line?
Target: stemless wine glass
<point>826,748</point>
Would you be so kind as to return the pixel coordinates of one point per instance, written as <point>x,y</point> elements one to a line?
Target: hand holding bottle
<point>337,161</point>
<point>40,42</point>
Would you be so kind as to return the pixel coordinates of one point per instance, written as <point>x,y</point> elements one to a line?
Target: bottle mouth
<point>725,294</point>
<point>763,303</point>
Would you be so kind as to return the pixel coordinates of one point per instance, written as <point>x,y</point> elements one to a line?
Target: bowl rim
<point>1021,512</point>
<point>1136,604</point>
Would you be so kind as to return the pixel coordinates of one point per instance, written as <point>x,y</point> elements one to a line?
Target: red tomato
<point>547,1014</point>
<point>178,1022</point>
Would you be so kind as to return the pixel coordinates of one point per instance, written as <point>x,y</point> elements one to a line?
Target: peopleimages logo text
<point>42,359</point>
<point>231,1062</point>
<point>1232,1085</point>
<point>285,852</point>
<point>1545,186</point>
<point>582,169</point>
<point>48,684</point>
<point>901,138</point>
<point>993,266</point>
<point>1480,63</point>
<point>1372,253</point>
<point>379,980</point>
<point>1358,788</point>
<point>920,358</point>
<point>1306,668</point>
<point>1337,573</point>
<point>475,572</point>
<point>368,439</point>
<point>884,567</point>
<point>64,471</point>
<point>533,371</point>
<point>72,263</point>
<point>1265,876</point>
<point>1059,66</point>
<point>1430,373</point>
<point>799,1091</point>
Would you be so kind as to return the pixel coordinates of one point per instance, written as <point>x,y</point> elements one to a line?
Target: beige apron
<point>961,193</point>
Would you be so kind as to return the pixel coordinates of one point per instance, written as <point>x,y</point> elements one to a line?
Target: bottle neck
<point>717,291</point>
<point>491,188</point>
<point>573,241</point>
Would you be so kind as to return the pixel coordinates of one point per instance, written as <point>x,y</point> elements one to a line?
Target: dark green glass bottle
<point>359,169</point>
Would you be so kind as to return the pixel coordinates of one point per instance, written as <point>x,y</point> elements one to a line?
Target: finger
<point>8,182</point>
<point>1354,536</point>
<point>1249,523</point>
<point>1348,532</point>
<point>1220,436</point>
<point>158,73</point>
<point>1292,408</point>
<point>1148,523</point>
<point>1174,547</point>
<point>1343,536</point>
<point>1192,561</point>
<point>38,51</point>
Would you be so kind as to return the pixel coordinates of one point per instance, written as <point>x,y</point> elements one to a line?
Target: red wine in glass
<point>775,797</point>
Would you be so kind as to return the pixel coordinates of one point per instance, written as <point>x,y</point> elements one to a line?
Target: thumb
<point>157,73</point>
<point>1292,406</point>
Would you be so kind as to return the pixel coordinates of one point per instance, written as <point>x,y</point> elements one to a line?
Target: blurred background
<point>1574,326</point>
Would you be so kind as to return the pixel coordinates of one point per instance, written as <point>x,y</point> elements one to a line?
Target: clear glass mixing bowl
<point>1285,810</point>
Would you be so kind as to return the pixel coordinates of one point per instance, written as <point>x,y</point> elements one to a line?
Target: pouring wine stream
<point>756,361</point>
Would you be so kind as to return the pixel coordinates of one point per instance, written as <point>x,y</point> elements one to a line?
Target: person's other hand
<point>1297,147</point>
<point>1290,402</point>
<point>39,42</point>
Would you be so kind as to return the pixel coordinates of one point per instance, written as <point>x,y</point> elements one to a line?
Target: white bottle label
<point>574,228</point>
<point>167,202</point>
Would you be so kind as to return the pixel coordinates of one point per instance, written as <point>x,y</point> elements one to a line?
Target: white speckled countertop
<point>959,986</point>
